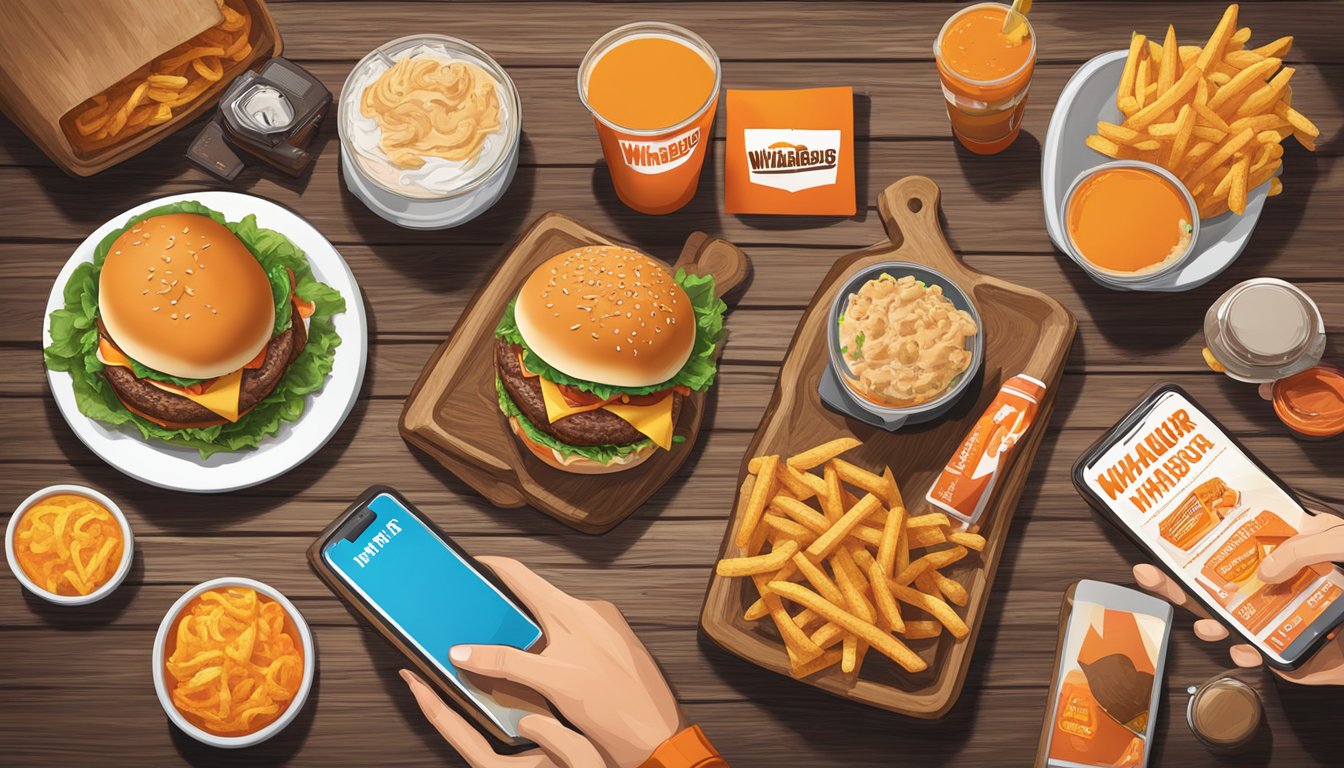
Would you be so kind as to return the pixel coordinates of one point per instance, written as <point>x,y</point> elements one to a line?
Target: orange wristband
<point>687,749</point>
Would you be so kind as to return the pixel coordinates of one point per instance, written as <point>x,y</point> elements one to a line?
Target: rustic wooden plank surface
<point>89,666</point>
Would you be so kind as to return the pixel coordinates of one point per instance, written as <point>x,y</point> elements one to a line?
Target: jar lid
<point>1268,323</point>
<point>1312,402</point>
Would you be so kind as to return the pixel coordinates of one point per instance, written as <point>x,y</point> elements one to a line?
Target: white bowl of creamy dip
<point>430,128</point>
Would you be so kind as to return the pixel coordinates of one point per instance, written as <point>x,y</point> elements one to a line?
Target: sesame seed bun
<point>607,314</point>
<point>181,294</point>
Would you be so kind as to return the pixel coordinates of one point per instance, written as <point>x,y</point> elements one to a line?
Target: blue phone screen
<point>429,593</point>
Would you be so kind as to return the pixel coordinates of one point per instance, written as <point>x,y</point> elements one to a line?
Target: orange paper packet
<point>791,152</point>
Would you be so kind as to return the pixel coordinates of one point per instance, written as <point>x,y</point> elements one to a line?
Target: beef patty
<point>257,383</point>
<point>597,427</point>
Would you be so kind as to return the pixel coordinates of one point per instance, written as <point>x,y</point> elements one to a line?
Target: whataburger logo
<point>651,157</point>
<point>791,160</point>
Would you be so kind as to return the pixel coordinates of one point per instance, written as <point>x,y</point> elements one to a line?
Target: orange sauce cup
<point>653,89</point>
<point>985,76</point>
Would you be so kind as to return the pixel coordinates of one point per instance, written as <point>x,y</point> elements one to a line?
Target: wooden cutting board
<point>1025,331</point>
<point>55,54</point>
<point>453,411</point>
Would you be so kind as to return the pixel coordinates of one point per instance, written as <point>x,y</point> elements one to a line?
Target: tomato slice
<point>577,397</point>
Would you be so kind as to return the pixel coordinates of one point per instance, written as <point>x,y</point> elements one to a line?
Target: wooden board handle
<point>705,255</point>
<point>909,212</point>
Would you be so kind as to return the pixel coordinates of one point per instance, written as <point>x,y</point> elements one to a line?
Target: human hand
<point>1320,541</point>
<point>594,671</point>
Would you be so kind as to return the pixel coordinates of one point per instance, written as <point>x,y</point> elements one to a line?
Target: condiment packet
<point>791,152</point>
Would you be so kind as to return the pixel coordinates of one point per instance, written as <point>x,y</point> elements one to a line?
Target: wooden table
<point>77,682</point>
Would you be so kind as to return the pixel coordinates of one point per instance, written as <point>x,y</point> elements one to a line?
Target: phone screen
<point>1212,515</point>
<point>1110,668</point>
<point>430,594</point>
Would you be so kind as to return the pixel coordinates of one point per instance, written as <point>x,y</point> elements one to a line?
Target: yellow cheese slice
<point>110,355</point>
<point>221,396</point>
<point>655,420</point>
<point>556,406</point>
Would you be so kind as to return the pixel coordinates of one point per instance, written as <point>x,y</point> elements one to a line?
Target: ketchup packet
<point>791,152</point>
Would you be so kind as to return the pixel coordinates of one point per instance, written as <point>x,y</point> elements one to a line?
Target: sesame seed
<point>173,302</point>
<point>207,245</point>
<point>574,327</point>
<point>156,309</point>
<point>142,293</point>
<point>137,242</point>
<point>174,315</point>
<point>618,347</point>
<point>184,230</point>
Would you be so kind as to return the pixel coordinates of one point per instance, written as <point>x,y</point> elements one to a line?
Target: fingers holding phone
<point>585,641</point>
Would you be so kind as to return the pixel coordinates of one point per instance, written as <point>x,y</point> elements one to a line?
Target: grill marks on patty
<point>597,427</point>
<point>257,383</point>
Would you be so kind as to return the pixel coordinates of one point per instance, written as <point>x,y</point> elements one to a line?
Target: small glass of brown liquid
<point>1224,713</point>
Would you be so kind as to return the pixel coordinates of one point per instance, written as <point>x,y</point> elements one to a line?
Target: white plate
<point>1089,97</point>
<point>181,468</point>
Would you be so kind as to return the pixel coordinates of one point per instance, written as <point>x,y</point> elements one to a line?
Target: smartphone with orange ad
<point>1108,679</point>
<point>1208,513</point>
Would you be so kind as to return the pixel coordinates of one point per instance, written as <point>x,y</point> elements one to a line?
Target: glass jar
<point>1263,330</point>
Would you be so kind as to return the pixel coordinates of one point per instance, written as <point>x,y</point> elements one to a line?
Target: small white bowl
<point>295,705</point>
<point>127,546</point>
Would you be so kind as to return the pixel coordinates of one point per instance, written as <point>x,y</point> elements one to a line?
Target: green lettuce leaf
<point>698,372</point>
<point>603,454</point>
<point>74,342</point>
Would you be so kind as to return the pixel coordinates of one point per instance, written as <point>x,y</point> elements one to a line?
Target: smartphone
<point>426,595</point>
<point>1208,512</point>
<point>1108,676</point>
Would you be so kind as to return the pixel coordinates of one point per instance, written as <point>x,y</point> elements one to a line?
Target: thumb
<point>506,663</point>
<point>1302,550</point>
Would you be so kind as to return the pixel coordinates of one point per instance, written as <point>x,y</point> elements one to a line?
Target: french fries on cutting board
<point>840,566</point>
<point>1215,116</point>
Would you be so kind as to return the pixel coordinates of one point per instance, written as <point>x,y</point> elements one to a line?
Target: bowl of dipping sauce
<point>1311,402</point>
<point>236,635</point>
<point>904,341</point>
<point>69,545</point>
<point>1129,223</point>
<point>430,128</point>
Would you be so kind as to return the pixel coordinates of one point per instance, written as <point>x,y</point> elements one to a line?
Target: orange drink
<point>985,75</point>
<point>653,89</point>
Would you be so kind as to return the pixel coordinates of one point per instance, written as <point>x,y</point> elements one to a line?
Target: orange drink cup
<point>652,89</point>
<point>985,75</point>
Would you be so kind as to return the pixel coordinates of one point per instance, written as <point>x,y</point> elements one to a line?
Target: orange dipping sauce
<point>1311,403</point>
<point>649,83</point>
<point>975,47</point>
<point>1129,220</point>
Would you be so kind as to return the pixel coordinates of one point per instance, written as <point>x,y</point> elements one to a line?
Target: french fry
<point>815,457</point>
<point>1213,49</point>
<point>1297,120</point>
<point>860,478</point>
<point>800,484</point>
<point>893,491</point>
<point>1141,83</point>
<point>807,669</point>
<point>935,519</point>
<point>922,629</point>
<point>797,642</point>
<point>789,528</point>
<point>1166,100</point>
<point>934,606</point>
<point>1252,75</point>
<point>833,501</point>
<point>920,538</point>
<point>881,641</point>
<point>1185,124</point>
<point>1275,187</point>
<point>817,577</point>
<point>1137,44</point>
<point>758,564</point>
<point>955,592</point>
<point>884,600</point>
<point>968,540</point>
<point>1236,196</point>
<point>833,536</point>
<point>796,510</point>
<point>1104,146</point>
<point>760,492</point>
<point>891,537</point>
<point>1221,155</point>
<point>1169,59</point>
<point>1277,49</point>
